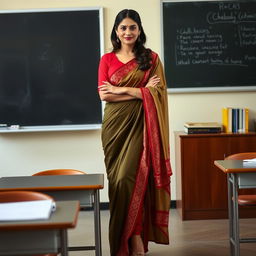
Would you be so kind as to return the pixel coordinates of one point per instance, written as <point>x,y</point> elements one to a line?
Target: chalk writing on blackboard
<point>199,37</point>
<point>198,45</point>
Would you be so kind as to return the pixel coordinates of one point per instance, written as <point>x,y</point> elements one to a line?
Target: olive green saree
<point>135,141</point>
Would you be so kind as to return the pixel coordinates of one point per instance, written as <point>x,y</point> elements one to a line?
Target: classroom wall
<point>27,153</point>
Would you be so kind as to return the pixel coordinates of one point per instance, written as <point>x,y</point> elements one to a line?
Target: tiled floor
<point>188,238</point>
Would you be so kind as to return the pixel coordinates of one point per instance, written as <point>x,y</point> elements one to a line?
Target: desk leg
<point>230,212</point>
<point>97,225</point>
<point>64,242</point>
<point>234,215</point>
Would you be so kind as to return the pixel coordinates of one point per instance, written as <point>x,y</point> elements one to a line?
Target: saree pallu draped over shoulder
<point>136,146</point>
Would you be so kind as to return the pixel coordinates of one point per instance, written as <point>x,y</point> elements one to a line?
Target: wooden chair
<point>59,172</point>
<point>241,156</point>
<point>22,196</point>
<point>62,172</point>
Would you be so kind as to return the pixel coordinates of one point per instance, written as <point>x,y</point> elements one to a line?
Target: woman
<point>135,139</point>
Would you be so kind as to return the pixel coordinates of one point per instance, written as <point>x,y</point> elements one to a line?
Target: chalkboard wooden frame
<point>175,68</point>
<point>79,119</point>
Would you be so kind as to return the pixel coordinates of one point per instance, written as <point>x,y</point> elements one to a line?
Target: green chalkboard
<point>48,67</point>
<point>209,44</point>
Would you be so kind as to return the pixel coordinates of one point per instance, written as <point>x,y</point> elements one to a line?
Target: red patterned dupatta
<point>149,190</point>
<point>154,159</point>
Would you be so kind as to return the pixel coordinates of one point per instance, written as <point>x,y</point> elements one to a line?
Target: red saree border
<point>151,146</point>
<point>123,71</point>
<point>147,72</point>
<point>162,218</point>
<point>161,167</point>
<point>151,155</point>
<point>137,198</point>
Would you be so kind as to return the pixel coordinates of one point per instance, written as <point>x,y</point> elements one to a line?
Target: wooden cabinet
<point>201,187</point>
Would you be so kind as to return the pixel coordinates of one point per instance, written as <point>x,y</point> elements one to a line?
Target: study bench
<point>84,188</point>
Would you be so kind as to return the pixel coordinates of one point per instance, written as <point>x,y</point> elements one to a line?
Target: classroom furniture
<point>247,199</point>
<point>40,236</point>
<point>239,175</point>
<point>84,188</point>
<point>201,191</point>
<point>59,172</point>
<point>22,196</point>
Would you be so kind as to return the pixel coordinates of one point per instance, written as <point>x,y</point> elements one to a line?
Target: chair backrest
<point>241,156</point>
<point>22,196</point>
<point>59,172</point>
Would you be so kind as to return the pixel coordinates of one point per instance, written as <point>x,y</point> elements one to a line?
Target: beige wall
<point>24,154</point>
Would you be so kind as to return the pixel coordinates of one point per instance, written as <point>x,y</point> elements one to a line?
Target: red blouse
<point>109,63</point>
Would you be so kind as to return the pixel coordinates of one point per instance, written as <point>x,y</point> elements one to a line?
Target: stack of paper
<point>29,210</point>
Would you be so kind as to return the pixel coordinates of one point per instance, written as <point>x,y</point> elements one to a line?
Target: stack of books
<point>235,119</point>
<point>196,128</point>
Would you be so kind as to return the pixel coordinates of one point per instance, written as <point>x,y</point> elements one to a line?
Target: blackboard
<point>209,45</point>
<point>48,67</point>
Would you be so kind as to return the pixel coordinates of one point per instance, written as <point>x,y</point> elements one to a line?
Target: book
<point>28,210</point>
<point>229,120</point>
<point>197,128</point>
<point>246,120</point>
<point>235,120</point>
<point>225,119</point>
<point>241,123</point>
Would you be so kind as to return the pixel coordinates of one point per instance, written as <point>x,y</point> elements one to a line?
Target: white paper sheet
<point>249,162</point>
<point>29,210</point>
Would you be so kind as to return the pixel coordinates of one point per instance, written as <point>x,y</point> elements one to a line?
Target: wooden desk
<point>240,175</point>
<point>39,236</point>
<point>201,191</point>
<point>84,188</point>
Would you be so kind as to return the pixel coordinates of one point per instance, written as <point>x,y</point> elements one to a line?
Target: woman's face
<point>128,31</point>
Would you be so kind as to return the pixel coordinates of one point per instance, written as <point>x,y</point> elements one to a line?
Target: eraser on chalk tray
<point>15,126</point>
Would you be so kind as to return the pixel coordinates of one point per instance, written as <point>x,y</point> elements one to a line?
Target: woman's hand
<point>108,88</point>
<point>111,93</point>
<point>153,81</point>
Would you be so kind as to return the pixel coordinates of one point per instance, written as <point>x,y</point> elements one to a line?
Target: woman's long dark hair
<point>142,54</point>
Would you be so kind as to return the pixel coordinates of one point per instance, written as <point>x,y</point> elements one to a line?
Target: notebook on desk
<point>28,210</point>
